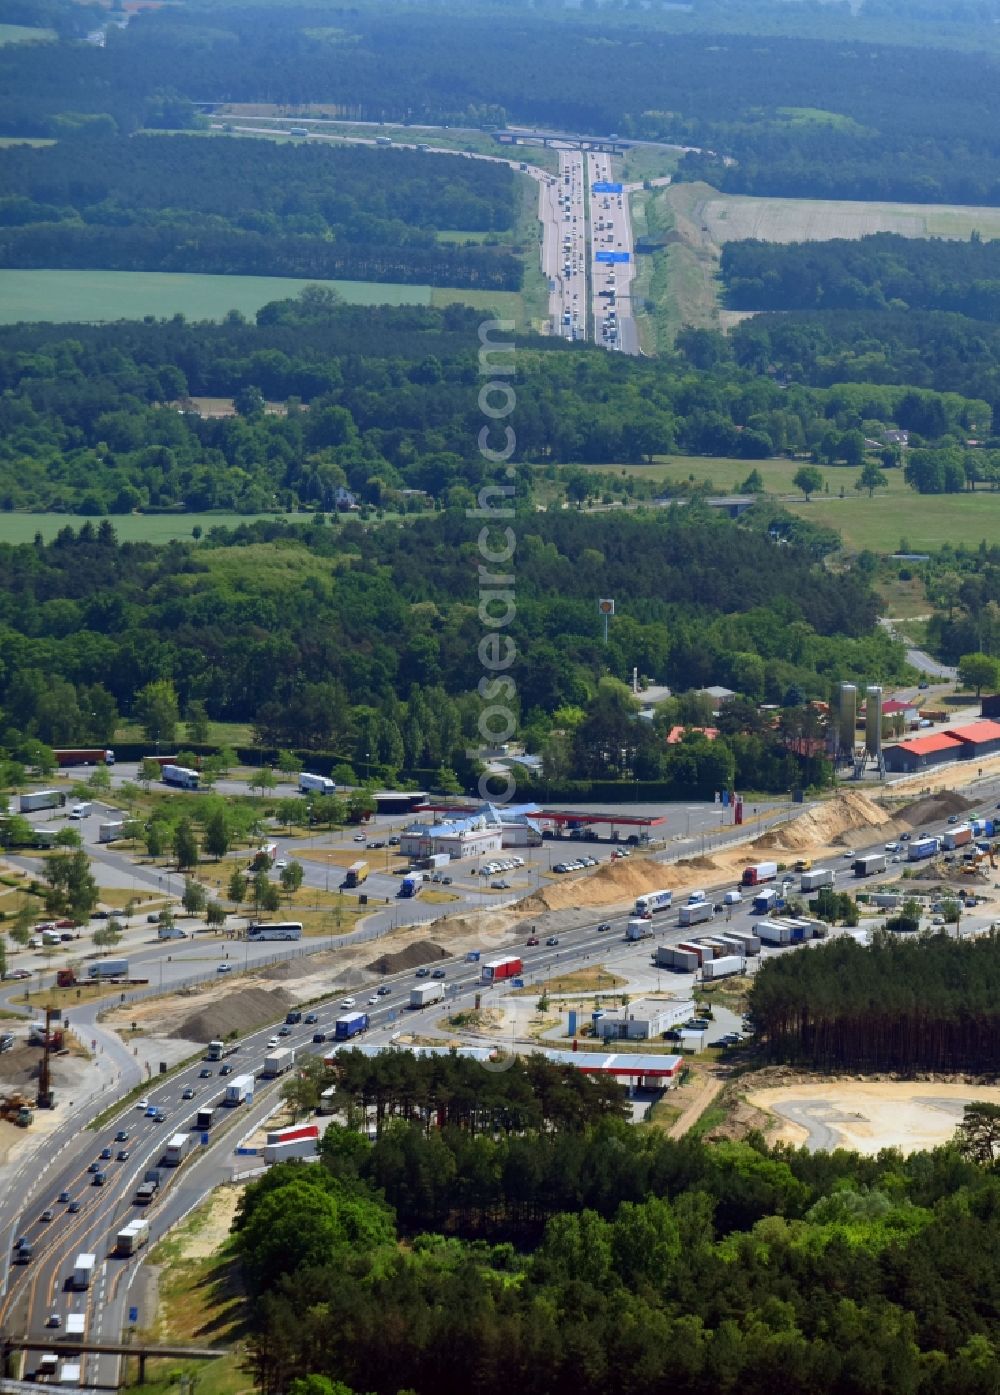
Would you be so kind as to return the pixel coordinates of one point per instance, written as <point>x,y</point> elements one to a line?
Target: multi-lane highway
<point>610,232</point>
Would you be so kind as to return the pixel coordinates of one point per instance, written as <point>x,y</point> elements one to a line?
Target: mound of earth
<point>622,880</point>
<point>240,1012</point>
<point>828,823</point>
<point>410,957</point>
<point>933,808</point>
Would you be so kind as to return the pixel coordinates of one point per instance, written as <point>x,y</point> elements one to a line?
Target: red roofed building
<point>982,737</point>
<point>924,751</point>
<point>677,733</point>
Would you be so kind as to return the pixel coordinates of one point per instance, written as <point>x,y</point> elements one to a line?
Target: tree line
<point>898,1005</point>
<point>877,272</point>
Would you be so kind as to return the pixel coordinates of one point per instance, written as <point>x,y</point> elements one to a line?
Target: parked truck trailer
<point>316,784</point>
<point>180,777</point>
<point>678,958</point>
<point>33,800</point>
<point>84,755</point>
<point>108,968</point>
<point>695,914</point>
<point>725,967</point>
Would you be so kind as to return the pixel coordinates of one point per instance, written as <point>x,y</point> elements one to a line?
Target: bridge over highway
<point>141,1349</point>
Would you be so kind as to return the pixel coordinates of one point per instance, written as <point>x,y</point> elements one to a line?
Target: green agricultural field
<point>130,527</point>
<point>129,295</point>
<point>23,34</point>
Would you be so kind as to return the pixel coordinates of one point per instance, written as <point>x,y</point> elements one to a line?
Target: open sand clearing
<point>865,1116</point>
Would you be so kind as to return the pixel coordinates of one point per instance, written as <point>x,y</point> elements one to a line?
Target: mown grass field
<point>730,217</point>
<point>154,528</point>
<point>924,521</point>
<point>25,34</point>
<point>67,296</point>
<point>128,295</point>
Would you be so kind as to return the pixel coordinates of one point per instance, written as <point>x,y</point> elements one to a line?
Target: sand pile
<point>846,813</point>
<point>241,1012</point>
<point>620,881</point>
<point>411,956</point>
<point>933,808</point>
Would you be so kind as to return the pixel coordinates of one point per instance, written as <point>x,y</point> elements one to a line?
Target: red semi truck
<point>759,872</point>
<point>498,969</point>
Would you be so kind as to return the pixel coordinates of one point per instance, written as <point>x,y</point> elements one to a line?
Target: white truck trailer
<point>695,913</point>
<point>815,878</point>
<point>425,993</point>
<point>639,929</point>
<point>111,831</point>
<point>239,1090</point>
<point>83,1271</point>
<point>725,967</point>
<point>177,1149</point>
<point>40,799</point>
<point>277,1062</point>
<point>131,1238</point>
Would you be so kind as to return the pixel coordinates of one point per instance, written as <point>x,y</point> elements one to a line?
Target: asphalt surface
<point>921,660</point>
<point>614,326</point>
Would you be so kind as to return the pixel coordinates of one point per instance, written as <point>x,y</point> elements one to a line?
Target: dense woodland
<point>800,116</point>
<point>230,205</point>
<point>883,271</point>
<point>381,401</point>
<point>928,1005</point>
<point>928,349</point>
<point>360,640</point>
<point>565,1255</point>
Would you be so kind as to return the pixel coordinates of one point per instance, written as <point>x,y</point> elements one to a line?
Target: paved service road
<point>920,660</point>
